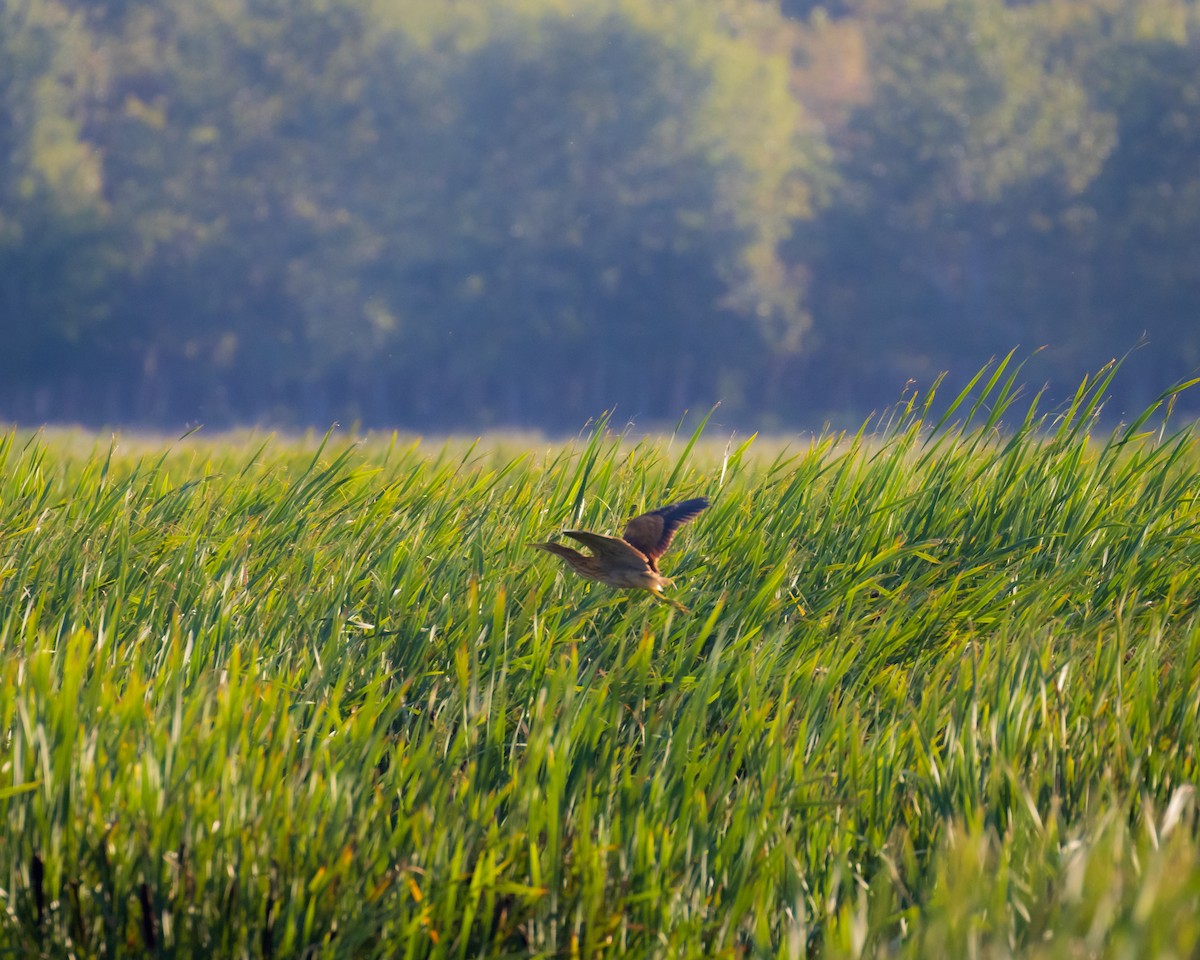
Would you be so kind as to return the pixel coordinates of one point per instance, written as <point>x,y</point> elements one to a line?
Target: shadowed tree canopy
<point>534,216</point>
<point>444,215</point>
<point>589,247</point>
<point>53,259</point>
<point>978,193</point>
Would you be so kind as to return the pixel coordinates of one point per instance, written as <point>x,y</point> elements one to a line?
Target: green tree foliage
<point>592,216</point>
<point>801,9</point>
<point>325,211</point>
<point>969,128</point>
<point>1020,174</point>
<point>1146,262</point>
<point>244,171</point>
<point>579,218</point>
<point>51,257</point>
<point>443,214</point>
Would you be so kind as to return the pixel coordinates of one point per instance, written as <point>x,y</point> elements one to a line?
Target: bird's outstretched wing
<point>651,533</point>
<point>610,550</point>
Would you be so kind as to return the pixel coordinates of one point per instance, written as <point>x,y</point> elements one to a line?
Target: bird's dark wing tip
<point>685,510</point>
<point>652,532</point>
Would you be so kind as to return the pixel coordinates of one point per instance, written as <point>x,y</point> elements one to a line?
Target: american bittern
<point>631,560</point>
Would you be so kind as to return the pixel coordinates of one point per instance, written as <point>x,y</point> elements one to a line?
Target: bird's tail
<point>557,549</point>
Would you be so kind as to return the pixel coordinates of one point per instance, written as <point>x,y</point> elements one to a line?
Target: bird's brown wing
<point>609,550</point>
<point>651,533</point>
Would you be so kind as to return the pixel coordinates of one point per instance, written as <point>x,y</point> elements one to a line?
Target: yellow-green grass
<point>938,695</point>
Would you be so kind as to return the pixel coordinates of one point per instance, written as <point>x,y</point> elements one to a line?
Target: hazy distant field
<point>938,696</point>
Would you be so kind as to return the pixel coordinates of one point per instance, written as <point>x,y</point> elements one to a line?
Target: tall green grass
<point>939,695</point>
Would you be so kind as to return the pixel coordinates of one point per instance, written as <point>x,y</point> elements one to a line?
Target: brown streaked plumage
<point>630,561</point>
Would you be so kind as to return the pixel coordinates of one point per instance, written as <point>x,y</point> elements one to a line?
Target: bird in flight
<point>631,560</point>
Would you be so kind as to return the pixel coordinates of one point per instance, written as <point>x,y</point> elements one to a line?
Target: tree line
<point>439,215</point>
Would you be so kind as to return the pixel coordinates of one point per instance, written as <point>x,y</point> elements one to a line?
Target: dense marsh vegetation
<point>938,695</point>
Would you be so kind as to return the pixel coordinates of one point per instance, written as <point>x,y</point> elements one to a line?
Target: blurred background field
<point>442,216</point>
<point>937,696</point>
